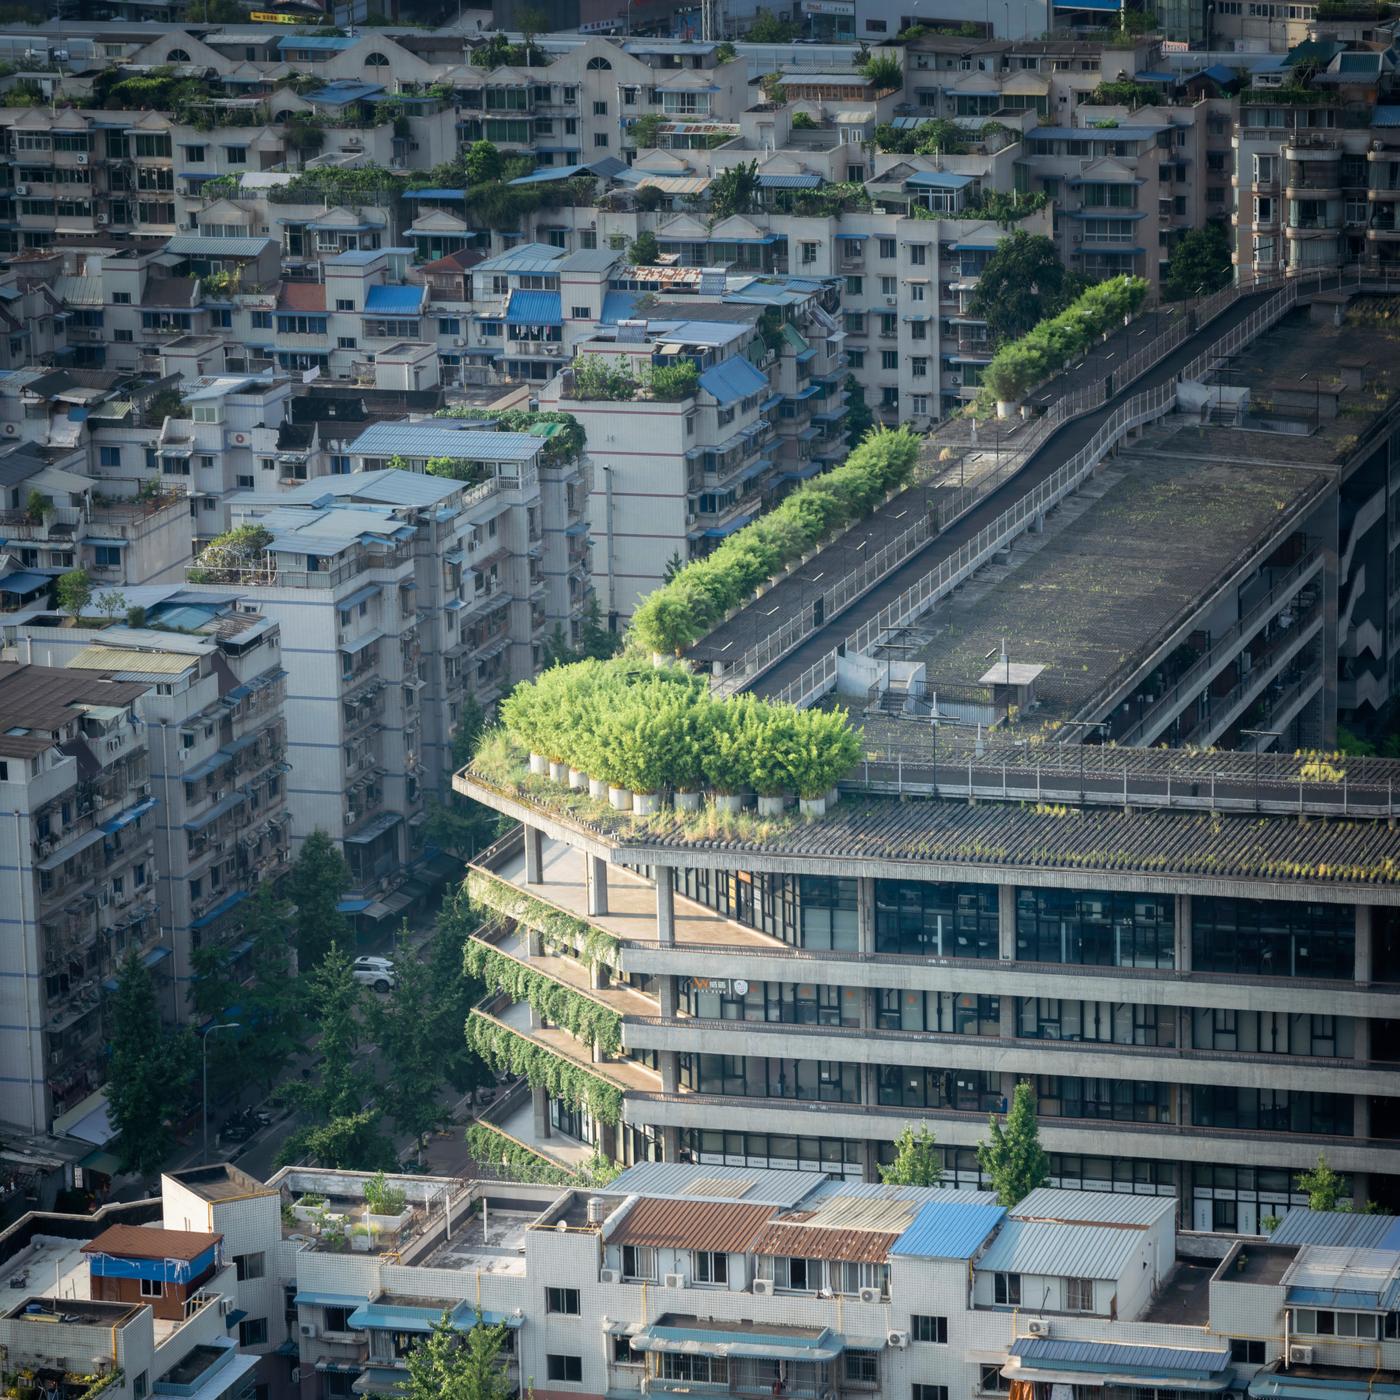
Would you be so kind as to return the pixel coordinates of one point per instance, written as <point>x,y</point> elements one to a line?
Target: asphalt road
<point>1053,453</point>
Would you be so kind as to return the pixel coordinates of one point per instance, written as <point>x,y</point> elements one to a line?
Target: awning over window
<point>736,1340</point>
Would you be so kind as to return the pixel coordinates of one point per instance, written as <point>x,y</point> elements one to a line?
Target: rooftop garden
<point>995,205</point>
<point>701,593</point>
<point>614,379</point>
<point>1019,365</point>
<point>228,557</point>
<point>562,432</point>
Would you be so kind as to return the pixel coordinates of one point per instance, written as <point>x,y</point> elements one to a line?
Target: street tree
<point>1023,282</point>
<point>318,878</point>
<point>916,1160</point>
<point>457,992</point>
<point>341,1126</point>
<point>1200,263</point>
<point>766,28</point>
<point>273,1004</point>
<point>445,1365</point>
<point>483,163</point>
<point>149,1070</point>
<point>405,1030</point>
<point>859,419</point>
<point>1012,1156</point>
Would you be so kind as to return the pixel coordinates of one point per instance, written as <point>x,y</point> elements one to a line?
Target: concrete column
<point>597,975</point>
<point>1363,942</point>
<point>607,1140</point>
<point>668,1002</point>
<point>534,856</point>
<point>596,879</point>
<point>1183,1105</point>
<point>1007,1007</point>
<point>669,1061</point>
<point>540,1100</point>
<point>865,916</point>
<point>665,907</point>
<point>1006,922</point>
<point>536,1021</point>
<point>1361,1115</point>
<point>534,943</point>
<point>1360,1189</point>
<point>1361,1038</point>
<point>1183,933</point>
<point>670,1144</point>
<point>1008,1086</point>
<point>597,1051</point>
<point>870,1009</point>
<point>871,1164</point>
<point>869,1085</point>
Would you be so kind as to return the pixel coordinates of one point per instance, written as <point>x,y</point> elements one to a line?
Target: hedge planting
<point>699,596</point>
<point>560,932</point>
<point>504,1050</point>
<point>584,1019</point>
<point>1020,365</point>
<point>651,729</point>
<point>491,1147</point>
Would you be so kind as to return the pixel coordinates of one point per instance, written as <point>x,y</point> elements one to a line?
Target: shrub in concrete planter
<point>687,801</point>
<point>813,806</point>
<point>621,798</point>
<point>771,805</point>
<point>645,803</point>
<point>598,789</point>
<point>729,802</point>
<point>578,779</point>
<point>539,765</point>
<point>558,772</point>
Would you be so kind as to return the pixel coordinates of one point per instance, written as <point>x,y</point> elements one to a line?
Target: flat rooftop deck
<point>1114,572</point>
<point>1184,1299</point>
<point>622,999</point>
<point>500,1251</point>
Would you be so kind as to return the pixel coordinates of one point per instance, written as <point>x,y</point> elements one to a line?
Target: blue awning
<point>351,906</point>
<point>330,1300</point>
<point>384,300</point>
<point>578,528</point>
<point>123,819</point>
<point>534,309</point>
<point>732,379</point>
<point>804,472</point>
<point>790,182</point>
<point>221,908</point>
<point>403,1317</point>
<point>235,1317</point>
<point>938,180</point>
<point>794,1344</point>
<point>21,582</point>
<point>155,957</point>
<point>382,823</point>
<point>755,469</point>
<point>722,532</point>
<point>109,544</point>
<point>360,595</point>
<point>854,237</point>
<point>1196,1368</point>
<point>215,812</point>
<point>360,643</point>
<point>438,194</point>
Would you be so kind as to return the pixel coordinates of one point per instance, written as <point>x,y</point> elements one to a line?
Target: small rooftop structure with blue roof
<point>460,439</point>
<point>342,94</point>
<point>954,1225</point>
<point>526,258</point>
<point>1349,1229</point>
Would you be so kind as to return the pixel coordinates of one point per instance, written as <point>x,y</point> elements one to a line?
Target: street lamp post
<point>204,1043</point>
<point>1090,724</point>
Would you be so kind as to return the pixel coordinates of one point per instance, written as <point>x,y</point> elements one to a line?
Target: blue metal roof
<point>1184,1362</point>
<point>341,94</point>
<point>331,1300</point>
<point>706,1181</point>
<point>798,1344</point>
<point>316,41</point>
<point>123,819</point>
<point>445,438</point>
<point>938,180</point>
<point>1385,116</point>
<point>198,246</point>
<point>224,905</point>
<point>523,258</point>
<point>534,309</point>
<point>547,173</point>
<point>1049,1247</point>
<point>732,379</point>
<point>950,1229</point>
<point>1280,1385</point>
<point>22,582</point>
<point>436,193</point>
<point>1092,133</point>
<point>387,300</point>
<point>790,182</point>
<point>723,532</point>
<point>618,306</point>
<point>1342,1228</point>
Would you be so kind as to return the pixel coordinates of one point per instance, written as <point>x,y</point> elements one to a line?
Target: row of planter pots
<point>643,804</point>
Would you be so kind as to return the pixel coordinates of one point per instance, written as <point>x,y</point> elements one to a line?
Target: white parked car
<point>374,972</point>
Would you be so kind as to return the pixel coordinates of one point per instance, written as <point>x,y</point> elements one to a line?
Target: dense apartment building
<point>79,877</point>
<point>736,1279</point>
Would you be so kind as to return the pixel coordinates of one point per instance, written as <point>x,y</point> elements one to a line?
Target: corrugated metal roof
<point>527,257</point>
<point>849,1211</point>
<point>390,488</point>
<point>100,658</point>
<point>1344,1228</point>
<point>853,1246</point>
<point>949,1229</point>
<point>78,291</point>
<point>1118,1356</point>
<point>534,309</point>
<point>392,300</point>
<point>790,182</point>
<point>445,439</point>
<point>1327,1277</point>
<point>1092,1207</point>
<point>740,1339</point>
<point>698,1181</point>
<point>341,94</point>
<point>732,379</point>
<point>196,245</point>
<point>722,1226</point>
<point>938,180</point>
<point>1072,1251</point>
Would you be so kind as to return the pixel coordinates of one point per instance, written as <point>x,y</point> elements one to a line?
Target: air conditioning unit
<point>763,1288</point>
<point>899,1340</point>
<point>1300,1356</point>
<point>103,220</point>
<point>296,1375</point>
<point>225,1306</point>
<point>869,1295</point>
<point>308,1330</point>
<point>459,342</point>
<point>1037,1327</point>
<point>891,301</point>
<point>82,158</point>
<point>675,1281</point>
<point>607,1275</point>
<point>21,190</point>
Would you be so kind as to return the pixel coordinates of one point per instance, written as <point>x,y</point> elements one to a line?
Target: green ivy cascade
<point>560,931</point>
<point>542,1068</point>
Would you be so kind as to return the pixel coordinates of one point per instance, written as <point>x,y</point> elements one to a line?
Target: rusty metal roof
<point>720,1226</point>
<point>822,1242</point>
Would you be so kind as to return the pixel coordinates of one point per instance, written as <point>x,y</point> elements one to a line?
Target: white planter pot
<point>621,798</point>
<point>578,779</point>
<point>1005,409</point>
<point>387,1222</point>
<point>771,806</point>
<point>558,772</point>
<point>539,765</point>
<point>731,802</point>
<point>645,803</point>
<point>687,802</point>
<point>307,1213</point>
<point>813,807</point>
<point>833,797</point>
<point>598,788</point>
<point>361,1244</point>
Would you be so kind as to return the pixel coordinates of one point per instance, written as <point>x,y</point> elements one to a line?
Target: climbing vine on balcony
<point>583,1018</point>
<point>560,932</point>
<point>543,1068</point>
<point>488,1145</point>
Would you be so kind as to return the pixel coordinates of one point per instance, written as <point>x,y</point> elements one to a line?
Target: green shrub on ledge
<point>561,932</point>
<point>584,1019</point>
<point>543,1068</point>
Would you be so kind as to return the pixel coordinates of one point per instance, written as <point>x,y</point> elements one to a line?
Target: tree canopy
<point>445,1365</point>
<point>916,1160</point>
<point>318,878</point>
<point>1023,283</point>
<point>1012,1156</point>
<point>1200,263</point>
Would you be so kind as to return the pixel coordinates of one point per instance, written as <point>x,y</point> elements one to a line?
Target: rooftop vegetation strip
<point>490,1146</point>
<point>561,932</point>
<point>1020,365</point>
<point>648,729</point>
<point>543,1068</point>
<point>679,612</point>
<point>584,1019</point>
